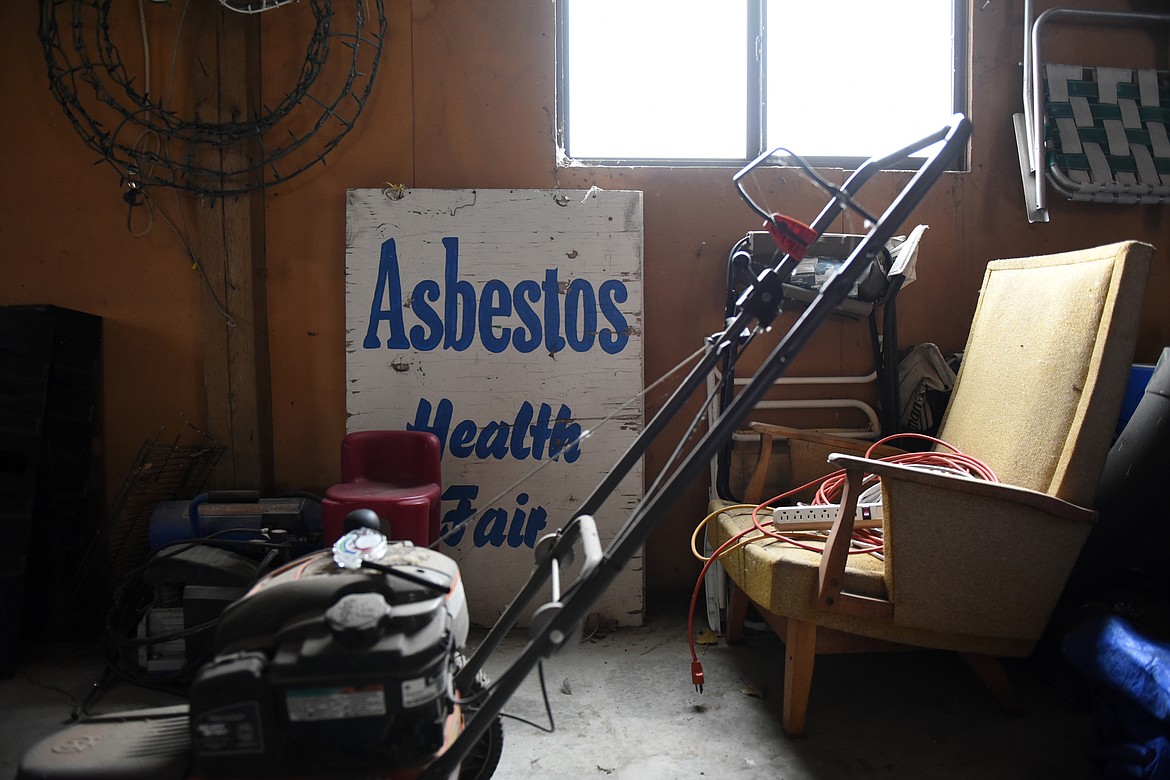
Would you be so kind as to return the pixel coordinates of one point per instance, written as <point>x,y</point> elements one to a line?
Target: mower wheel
<point>481,762</point>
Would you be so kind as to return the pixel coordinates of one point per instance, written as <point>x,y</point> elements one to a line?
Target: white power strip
<point>867,515</point>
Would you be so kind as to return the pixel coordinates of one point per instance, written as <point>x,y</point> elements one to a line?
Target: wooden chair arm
<point>975,487</point>
<point>804,434</point>
<point>754,492</point>
<point>831,575</point>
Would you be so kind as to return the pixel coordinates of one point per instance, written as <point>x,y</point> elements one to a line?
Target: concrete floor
<point>625,708</point>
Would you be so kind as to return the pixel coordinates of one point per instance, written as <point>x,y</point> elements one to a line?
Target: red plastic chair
<point>395,473</point>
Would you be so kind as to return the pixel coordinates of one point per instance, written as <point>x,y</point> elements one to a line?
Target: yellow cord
<point>703,524</point>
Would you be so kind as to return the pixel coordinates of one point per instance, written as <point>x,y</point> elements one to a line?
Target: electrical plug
<point>697,675</point>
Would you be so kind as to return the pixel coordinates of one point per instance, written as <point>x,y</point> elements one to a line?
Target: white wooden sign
<point>507,322</point>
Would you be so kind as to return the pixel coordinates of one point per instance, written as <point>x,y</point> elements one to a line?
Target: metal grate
<point>161,472</point>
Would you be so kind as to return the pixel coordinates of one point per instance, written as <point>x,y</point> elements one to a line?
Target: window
<point>835,81</point>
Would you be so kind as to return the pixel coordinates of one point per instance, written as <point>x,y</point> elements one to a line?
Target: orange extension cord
<point>830,487</point>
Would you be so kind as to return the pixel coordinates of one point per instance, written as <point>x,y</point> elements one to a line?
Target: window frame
<point>756,66</point>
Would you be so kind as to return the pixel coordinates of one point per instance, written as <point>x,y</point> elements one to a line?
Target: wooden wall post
<point>230,244</point>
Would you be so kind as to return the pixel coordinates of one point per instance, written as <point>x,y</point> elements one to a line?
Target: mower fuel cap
<point>356,617</point>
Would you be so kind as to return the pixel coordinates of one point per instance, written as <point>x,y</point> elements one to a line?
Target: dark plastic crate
<point>76,335</point>
<point>15,539</point>
<point>19,453</point>
<point>49,388</point>
<point>26,339</point>
<point>11,608</point>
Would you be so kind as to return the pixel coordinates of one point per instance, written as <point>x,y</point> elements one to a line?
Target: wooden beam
<point>230,245</point>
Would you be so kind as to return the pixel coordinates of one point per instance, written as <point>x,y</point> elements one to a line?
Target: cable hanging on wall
<point>151,140</point>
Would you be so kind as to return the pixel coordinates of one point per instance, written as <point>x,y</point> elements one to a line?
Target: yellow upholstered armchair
<point>968,565</point>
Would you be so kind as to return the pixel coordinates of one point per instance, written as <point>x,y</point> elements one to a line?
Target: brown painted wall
<point>465,99</point>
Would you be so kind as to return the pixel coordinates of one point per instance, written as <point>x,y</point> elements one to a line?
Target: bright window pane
<point>857,78</point>
<point>657,79</point>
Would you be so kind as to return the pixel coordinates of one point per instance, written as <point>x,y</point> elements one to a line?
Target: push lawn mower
<point>349,662</point>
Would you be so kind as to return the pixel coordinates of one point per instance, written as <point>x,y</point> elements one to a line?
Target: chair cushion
<point>787,573</point>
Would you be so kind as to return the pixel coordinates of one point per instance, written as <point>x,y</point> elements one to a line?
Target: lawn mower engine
<point>340,663</point>
<point>335,662</point>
